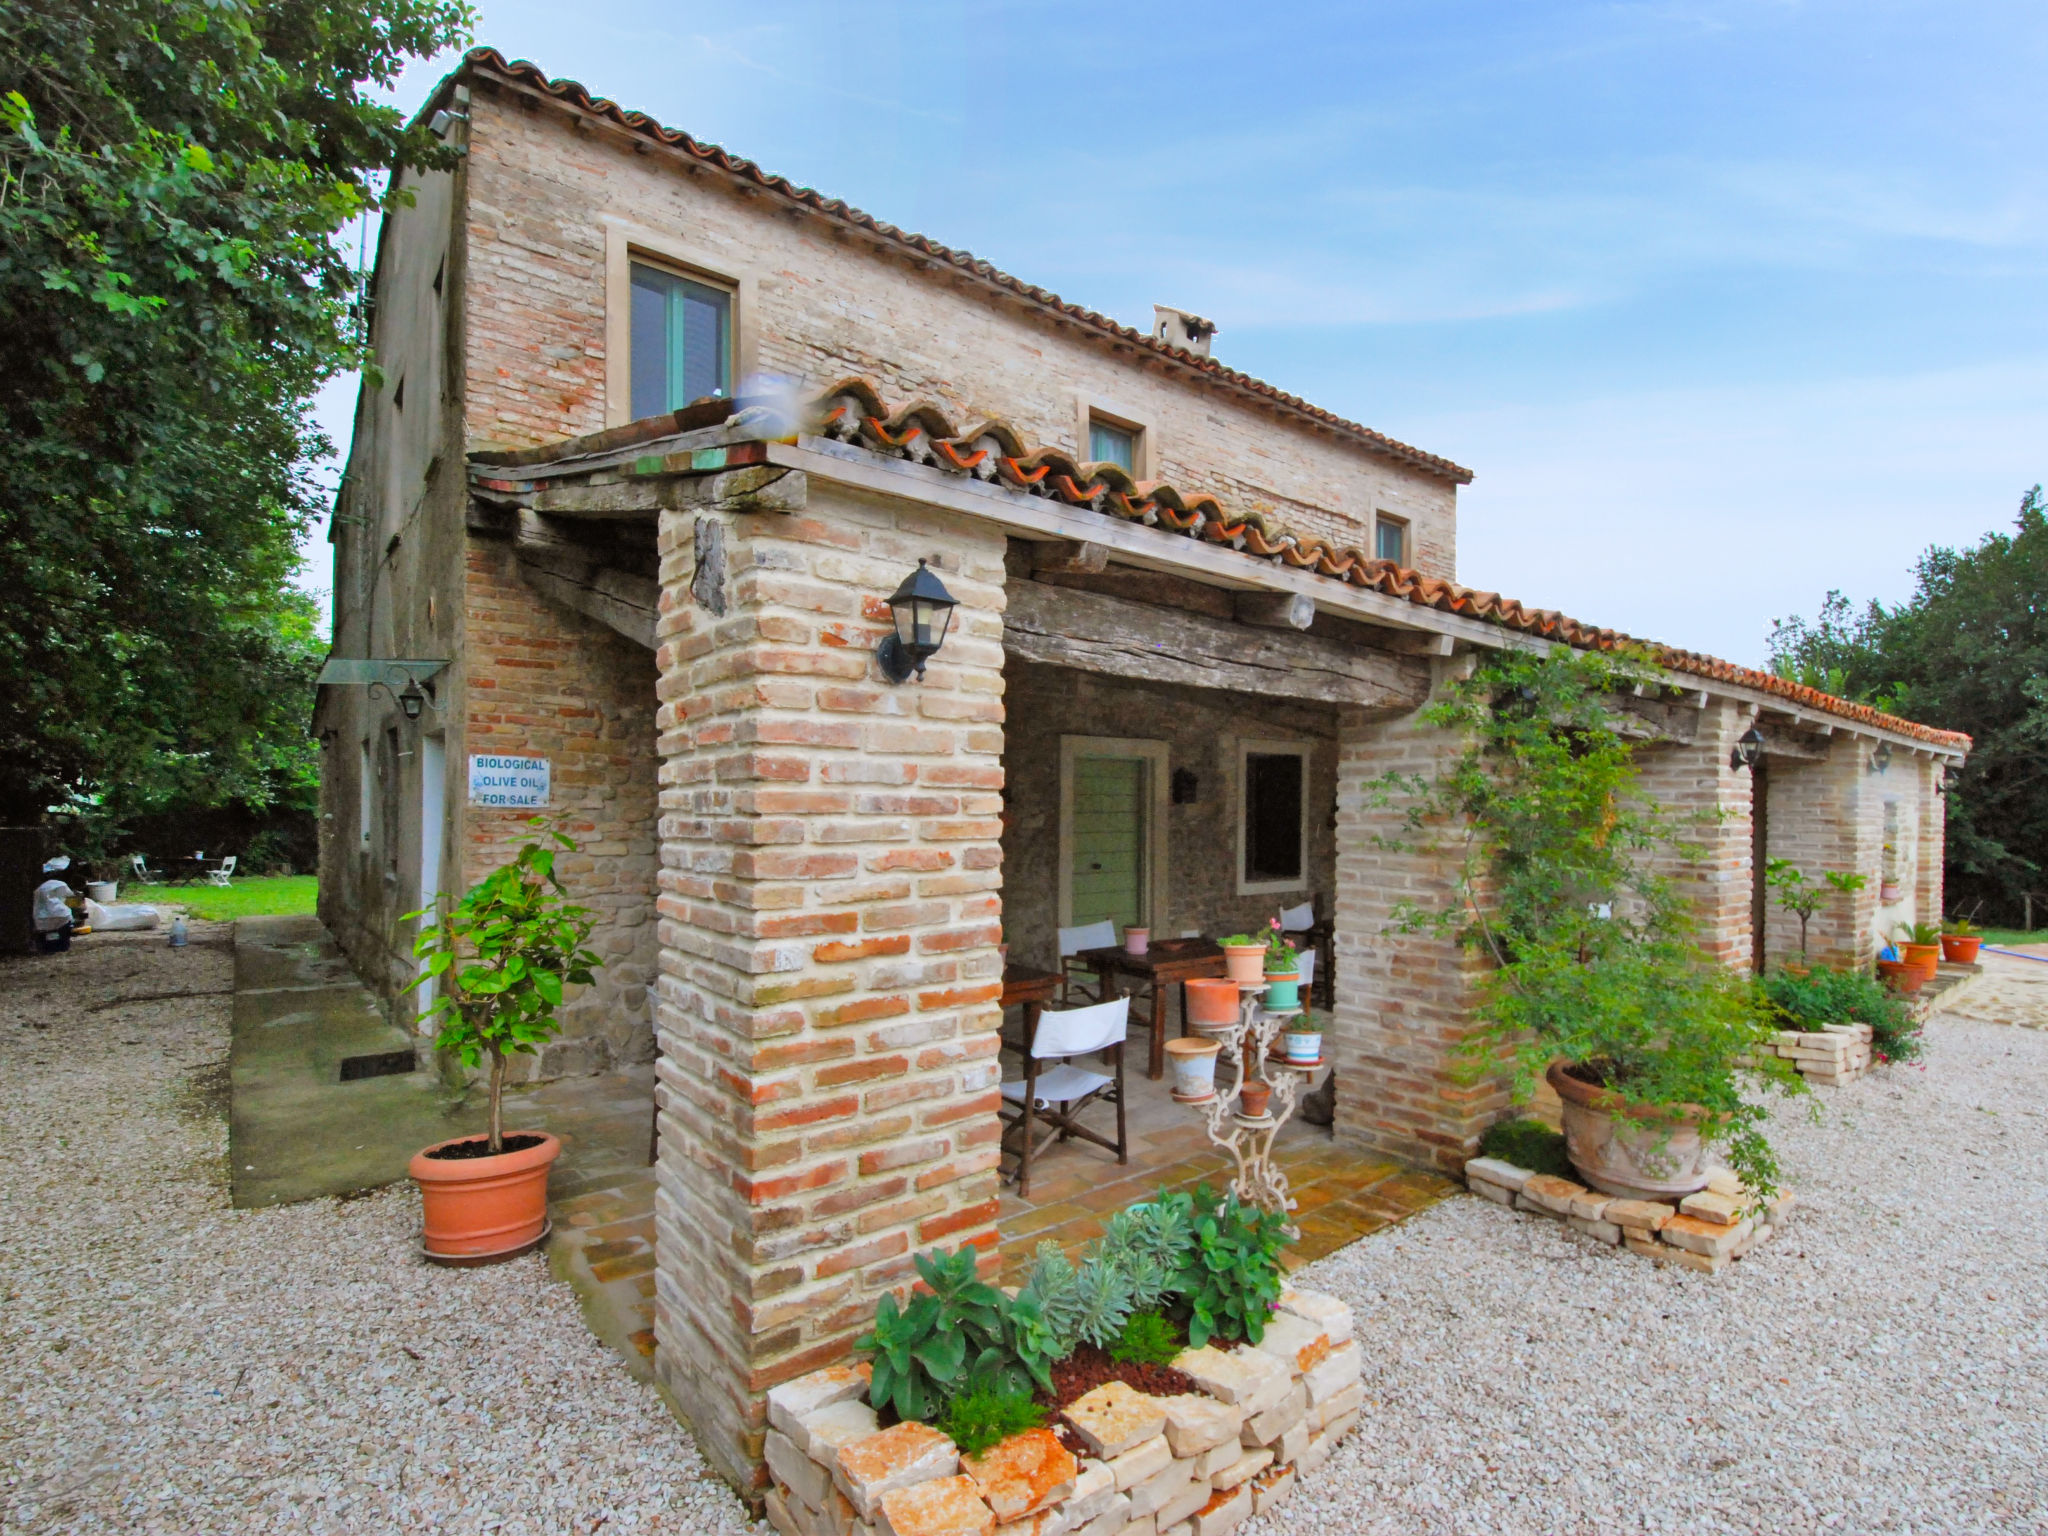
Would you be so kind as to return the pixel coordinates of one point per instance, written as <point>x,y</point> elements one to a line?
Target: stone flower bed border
<point>1195,1465</point>
<point>1705,1232</point>
<point>1833,1054</point>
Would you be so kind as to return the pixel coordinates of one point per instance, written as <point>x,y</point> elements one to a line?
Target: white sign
<point>508,781</point>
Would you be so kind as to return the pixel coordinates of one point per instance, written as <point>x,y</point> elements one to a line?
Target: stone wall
<point>830,908</point>
<point>1202,728</point>
<point>549,201</point>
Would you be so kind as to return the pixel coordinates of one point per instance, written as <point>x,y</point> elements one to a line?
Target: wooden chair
<point>1313,935</point>
<point>1072,941</point>
<point>1055,1096</point>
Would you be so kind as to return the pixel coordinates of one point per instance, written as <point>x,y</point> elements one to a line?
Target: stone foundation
<point>1195,1465</point>
<point>1705,1232</point>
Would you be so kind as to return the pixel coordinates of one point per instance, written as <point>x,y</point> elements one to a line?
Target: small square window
<point>681,345</point>
<point>1390,539</point>
<point>1111,444</point>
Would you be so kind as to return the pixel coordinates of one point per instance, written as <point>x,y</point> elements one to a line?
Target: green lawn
<point>258,896</point>
<point>2014,936</point>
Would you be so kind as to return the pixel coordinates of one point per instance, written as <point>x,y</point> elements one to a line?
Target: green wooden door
<point>1109,840</point>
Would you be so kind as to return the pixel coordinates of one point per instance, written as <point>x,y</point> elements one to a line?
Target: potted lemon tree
<point>499,960</point>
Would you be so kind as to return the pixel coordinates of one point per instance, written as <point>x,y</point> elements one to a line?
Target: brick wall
<point>1403,1000</point>
<point>544,682</point>
<point>830,907</point>
<point>819,306</point>
<point>1823,816</point>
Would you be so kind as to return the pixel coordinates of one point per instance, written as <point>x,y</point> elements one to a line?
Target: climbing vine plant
<point>1589,953</point>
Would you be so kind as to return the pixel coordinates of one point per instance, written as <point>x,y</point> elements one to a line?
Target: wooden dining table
<point>1166,963</point>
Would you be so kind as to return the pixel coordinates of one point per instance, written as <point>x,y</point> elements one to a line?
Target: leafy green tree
<point>172,174</point>
<point>1967,652</point>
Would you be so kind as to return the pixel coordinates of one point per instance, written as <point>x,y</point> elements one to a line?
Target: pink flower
<point>1274,924</point>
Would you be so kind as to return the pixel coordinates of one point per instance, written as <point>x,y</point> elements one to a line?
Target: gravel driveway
<point>1881,1367</point>
<point>168,1364</point>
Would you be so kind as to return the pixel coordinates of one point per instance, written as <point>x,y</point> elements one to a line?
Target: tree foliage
<point>1967,652</point>
<point>171,176</point>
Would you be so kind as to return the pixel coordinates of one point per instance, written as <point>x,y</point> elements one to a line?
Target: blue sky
<point>1725,304</point>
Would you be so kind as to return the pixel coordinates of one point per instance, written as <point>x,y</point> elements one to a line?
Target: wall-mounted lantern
<point>923,610</point>
<point>1951,778</point>
<point>1881,759</point>
<point>408,684</point>
<point>1749,749</point>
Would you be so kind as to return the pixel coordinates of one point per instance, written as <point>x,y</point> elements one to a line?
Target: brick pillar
<point>1708,803</point>
<point>1403,1000</point>
<point>828,1003</point>
<point>1927,880</point>
<point>1828,815</point>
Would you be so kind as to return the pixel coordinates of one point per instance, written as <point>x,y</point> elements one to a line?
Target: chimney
<point>1178,328</point>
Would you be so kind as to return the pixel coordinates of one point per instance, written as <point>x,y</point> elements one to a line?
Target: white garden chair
<point>222,875</point>
<point>1056,1096</point>
<point>1072,942</point>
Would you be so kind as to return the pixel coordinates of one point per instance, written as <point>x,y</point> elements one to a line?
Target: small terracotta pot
<point>1137,940</point>
<point>1961,948</point>
<point>1212,1002</point>
<point>1622,1150</point>
<point>1900,976</point>
<point>1193,1061</point>
<point>1253,1097</point>
<point>1922,957</point>
<point>1246,963</point>
<point>482,1209</point>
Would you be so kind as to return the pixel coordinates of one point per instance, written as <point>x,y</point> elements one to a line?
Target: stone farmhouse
<point>658,436</point>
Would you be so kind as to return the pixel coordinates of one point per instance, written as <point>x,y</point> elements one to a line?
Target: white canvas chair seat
<point>1311,937</point>
<point>1062,1085</point>
<point>1055,1096</point>
<point>1308,971</point>
<point>1298,919</point>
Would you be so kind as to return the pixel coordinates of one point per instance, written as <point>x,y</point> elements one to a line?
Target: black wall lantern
<point>1881,759</point>
<point>1951,779</point>
<point>923,610</point>
<point>1749,749</point>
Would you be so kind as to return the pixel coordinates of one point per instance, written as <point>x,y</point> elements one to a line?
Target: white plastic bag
<point>119,919</point>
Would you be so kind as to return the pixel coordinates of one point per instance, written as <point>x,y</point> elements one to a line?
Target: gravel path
<point>169,1364</point>
<point>1881,1367</point>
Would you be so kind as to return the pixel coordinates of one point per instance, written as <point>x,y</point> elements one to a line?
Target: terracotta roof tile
<point>853,411</point>
<point>491,62</point>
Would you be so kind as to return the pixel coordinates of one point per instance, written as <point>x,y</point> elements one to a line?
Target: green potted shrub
<point>1245,958</point>
<point>498,961</point>
<point>1919,945</point>
<point>1592,976</point>
<point>1282,971</point>
<point>1302,1040</point>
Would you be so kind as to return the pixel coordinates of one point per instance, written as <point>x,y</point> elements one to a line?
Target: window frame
<point>1097,422</point>
<point>669,269</point>
<point>1247,746</point>
<point>1091,410</point>
<point>1403,530</point>
<point>626,244</point>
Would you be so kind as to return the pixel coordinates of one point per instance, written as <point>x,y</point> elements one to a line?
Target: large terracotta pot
<point>1624,1152</point>
<point>1212,1003</point>
<point>1961,948</point>
<point>1922,957</point>
<point>1246,963</point>
<point>482,1209</point>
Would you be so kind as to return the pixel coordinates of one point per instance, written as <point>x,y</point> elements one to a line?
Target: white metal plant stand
<point>1249,1138</point>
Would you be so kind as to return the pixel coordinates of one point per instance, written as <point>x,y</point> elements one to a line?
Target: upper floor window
<point>681,342</point>
<point>1109,443</point>
<point>1390,539</point>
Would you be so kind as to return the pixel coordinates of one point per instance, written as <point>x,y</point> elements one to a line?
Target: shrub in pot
<point>1245,959</point>
<point>1302,1041</point>
<point>1919,945</point>
<point>1590,963</point>
<point>498,960</point>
